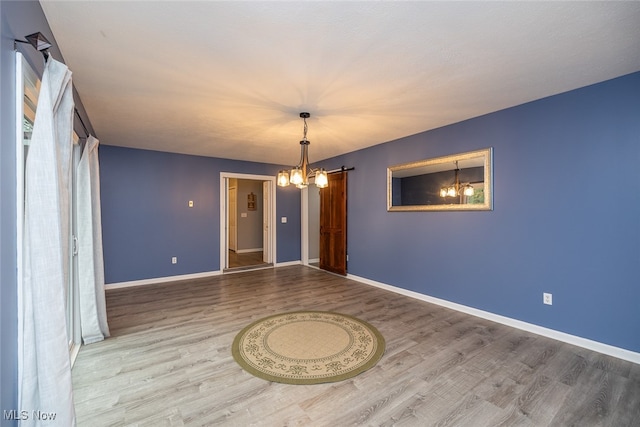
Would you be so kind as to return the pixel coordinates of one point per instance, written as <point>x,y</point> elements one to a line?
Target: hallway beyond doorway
<point>246,259</point>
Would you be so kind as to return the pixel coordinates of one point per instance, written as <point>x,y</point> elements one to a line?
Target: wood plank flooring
<point>169,363</point>
<point>245,259</point>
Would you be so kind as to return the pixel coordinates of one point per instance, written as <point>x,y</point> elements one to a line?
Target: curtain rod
<point>42,45</point>
<point>86,132</point>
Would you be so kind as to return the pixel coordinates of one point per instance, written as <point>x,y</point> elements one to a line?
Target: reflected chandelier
<point>456,189</point>
<point>301,173</point>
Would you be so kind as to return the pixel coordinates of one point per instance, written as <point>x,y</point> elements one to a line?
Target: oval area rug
<point>308,347</point>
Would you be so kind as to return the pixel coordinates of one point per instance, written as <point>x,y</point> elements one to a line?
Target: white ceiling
<point>229,79</point>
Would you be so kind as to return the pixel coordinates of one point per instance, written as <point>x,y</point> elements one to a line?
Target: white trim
<point>19,165</point>
<point>304,225</point>
<point>267,199</point>
<point>180,278</point>
<point>314,260</point>
<point>19,209</point>
<point>599,347</point>
<point>244,251</point>
<point>73,353</point>
<point>223,213</point>
<point>248,268</point>
<point>288,263</point>
<point>224,240</point>
<point>157,280</point>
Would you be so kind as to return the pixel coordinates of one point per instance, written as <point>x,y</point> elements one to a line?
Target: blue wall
<point>566,216</point>
<point>146,219</point>
<point>565,219</point>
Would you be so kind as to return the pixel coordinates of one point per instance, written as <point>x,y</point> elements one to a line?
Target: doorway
<point>247,212</point>
<point>313,221</point>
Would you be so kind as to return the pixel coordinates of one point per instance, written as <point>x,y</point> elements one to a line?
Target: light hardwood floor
<point>247,259</point>
<point>169,362</point>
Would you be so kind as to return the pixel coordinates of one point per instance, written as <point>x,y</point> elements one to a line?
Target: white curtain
<point>44,368</point>
<point>93,311</point>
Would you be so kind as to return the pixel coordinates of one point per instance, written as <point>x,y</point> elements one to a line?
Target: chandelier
<point>456,189</point>
<point>300,174</point>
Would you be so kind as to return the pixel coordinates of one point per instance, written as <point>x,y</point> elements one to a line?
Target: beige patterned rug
<point>308,347</point>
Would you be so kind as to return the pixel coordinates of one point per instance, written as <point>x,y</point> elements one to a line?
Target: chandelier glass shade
<point>457,189</point>
<point>300,174</point>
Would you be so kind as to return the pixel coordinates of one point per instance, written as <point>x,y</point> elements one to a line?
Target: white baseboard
<point>169,279</point>
<point>156,280</point>
<point>288,263</point>
<point>314,260</point>
<point>610,350</point>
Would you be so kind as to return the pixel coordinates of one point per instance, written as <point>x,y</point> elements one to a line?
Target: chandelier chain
<point>301,173</point>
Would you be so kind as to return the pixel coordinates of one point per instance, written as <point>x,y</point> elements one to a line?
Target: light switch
<point>243,215</point>
<point>283,220</point>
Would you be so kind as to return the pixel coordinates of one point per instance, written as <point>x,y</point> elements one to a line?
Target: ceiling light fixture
<point>456,189</point>
<point>300,174</point>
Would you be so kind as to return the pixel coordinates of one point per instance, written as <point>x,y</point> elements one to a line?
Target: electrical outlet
<point>547,298</point>
<point>174,260</point>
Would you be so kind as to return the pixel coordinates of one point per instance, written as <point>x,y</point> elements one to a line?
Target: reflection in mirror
<point>31,90</point>
<point>456,182</point>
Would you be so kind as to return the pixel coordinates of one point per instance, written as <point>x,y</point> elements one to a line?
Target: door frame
<point>304,225</point>
<point>232,209</point>
<point>267,225</point>
<point>268,247</point>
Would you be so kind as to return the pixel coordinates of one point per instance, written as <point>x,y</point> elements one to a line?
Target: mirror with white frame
<point>461,182</point>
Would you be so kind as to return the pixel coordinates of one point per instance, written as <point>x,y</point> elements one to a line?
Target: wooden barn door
<point>333,224</point>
